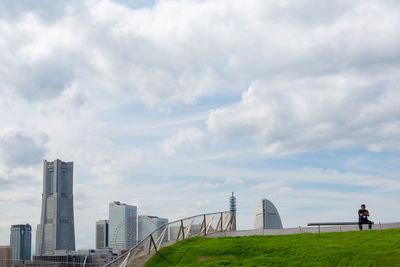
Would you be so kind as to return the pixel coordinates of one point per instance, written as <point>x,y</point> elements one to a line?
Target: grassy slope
<point>362,248</point>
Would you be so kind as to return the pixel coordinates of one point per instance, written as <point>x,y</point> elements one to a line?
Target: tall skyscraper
<point>102,234</point>
<point>147,224</point>
<point>20,242</point>
<point>122,226</point>
<point>56,229</point>
<point>5,256</point>
<point>267,216</point>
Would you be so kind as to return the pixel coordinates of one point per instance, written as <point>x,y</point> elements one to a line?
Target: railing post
<point>222,219</point>
<point>234,221</point>
<point>205,224</point>
<point>183,230</point>
<point>152,242</point>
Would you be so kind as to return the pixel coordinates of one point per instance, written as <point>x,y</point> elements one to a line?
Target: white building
<point>267,216</point>
<point>122,225</point>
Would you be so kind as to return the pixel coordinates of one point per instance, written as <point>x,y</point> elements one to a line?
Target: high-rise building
<point>102,234</point>
<point>56,229</point>
<point>147,224</point>
<point>122,226</point>
<point>5,256</point>
<point>267,216</point>
<point>20,242</point>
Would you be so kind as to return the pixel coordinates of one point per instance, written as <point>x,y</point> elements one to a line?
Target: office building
<point>20,242</point>
<point>102,234</point>
<point>147,224</point>
<point>267,216</point>
<point>5,256</point>
<point>122,224</point>
<point>56,229</point>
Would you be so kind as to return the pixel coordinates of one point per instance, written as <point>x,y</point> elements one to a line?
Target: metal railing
<point>199,225</point>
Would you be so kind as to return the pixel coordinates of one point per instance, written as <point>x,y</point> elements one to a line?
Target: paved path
<point>300,230</point>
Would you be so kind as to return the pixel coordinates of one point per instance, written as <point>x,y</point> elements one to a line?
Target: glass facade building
<point>20,242</point>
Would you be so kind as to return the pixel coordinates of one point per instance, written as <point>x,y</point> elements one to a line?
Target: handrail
<point>335,223</point>
<point>150,235</point>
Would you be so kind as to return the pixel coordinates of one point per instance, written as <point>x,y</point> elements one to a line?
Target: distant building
<point>267,216</point>
<point>54,261</point>
<point>56,229</point>
<point>5,256</point>
<point>122,232</point>
<point>147,224</point>
<point>20,242</point>
<point>62,258</point>
<point>102,234</point>
<point>97,257</point>
<point>232,204</point>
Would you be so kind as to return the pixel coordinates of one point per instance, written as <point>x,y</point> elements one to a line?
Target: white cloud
<point>198,186</point>
<point>21,153</point>
<point>315,113</point>
<point>187,138</point>
<point>115,167</point>
<point>106,161</point>
<point>179,51</point>
<point>274,186</point>
<point>21,148</point>
<point>234,180</point>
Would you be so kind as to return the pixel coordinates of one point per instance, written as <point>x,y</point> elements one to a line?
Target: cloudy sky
<point>172,105</point>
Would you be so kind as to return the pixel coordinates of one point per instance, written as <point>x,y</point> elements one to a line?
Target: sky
<point>171,105</point>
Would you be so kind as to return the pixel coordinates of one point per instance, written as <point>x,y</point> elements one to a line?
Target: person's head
<point>363,206</point>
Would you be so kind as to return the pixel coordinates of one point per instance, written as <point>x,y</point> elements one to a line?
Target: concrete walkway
<point>300,230</point>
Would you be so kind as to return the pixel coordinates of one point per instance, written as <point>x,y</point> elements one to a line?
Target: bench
<point>333,224</point>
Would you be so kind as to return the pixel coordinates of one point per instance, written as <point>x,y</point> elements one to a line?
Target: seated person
<point>363,217</point>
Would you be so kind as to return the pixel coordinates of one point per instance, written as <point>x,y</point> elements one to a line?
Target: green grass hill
<point>361,248</point>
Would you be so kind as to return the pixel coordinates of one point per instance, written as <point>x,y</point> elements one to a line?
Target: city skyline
<point>172,105</point>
